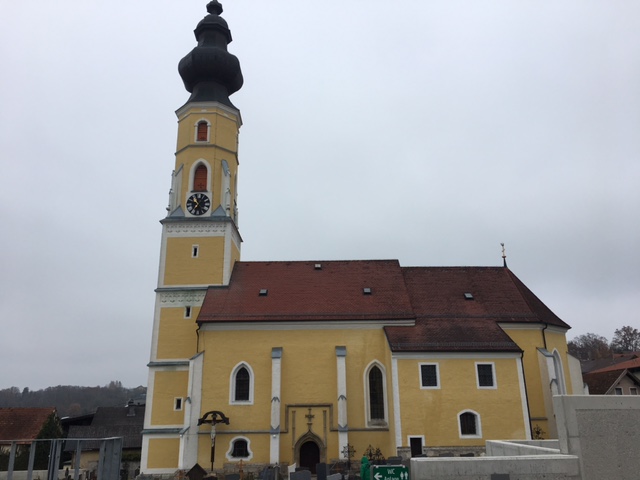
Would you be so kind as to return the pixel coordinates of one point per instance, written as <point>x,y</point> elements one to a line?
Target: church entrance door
<point>309,455</point>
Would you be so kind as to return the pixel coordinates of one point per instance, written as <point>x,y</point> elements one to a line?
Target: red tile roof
<point>450,334</point>
<point>497,294</point>
<point>601,383</point>
<point>297,291</point>
<point>435,296</point>
<point>23,423</point>
<point>628,365</point>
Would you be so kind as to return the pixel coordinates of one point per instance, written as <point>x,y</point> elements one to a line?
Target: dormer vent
<point>263,292</point>
<point>318,266</point>
<point>468,296</point>
<point>366,291</point>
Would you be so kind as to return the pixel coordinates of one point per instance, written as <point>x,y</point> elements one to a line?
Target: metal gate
<point>108,462</point>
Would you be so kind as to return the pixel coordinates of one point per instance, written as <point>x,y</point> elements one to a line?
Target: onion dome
<point>209,72</point>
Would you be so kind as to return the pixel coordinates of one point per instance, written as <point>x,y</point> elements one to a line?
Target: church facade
<point>296,362</point>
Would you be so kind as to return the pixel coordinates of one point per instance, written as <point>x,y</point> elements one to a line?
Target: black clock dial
<point>198,203</point>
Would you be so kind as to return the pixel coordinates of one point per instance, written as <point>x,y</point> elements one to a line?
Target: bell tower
<point>200,241</point>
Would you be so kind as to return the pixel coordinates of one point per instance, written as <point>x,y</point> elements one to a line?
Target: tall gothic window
<point>200,179</point>
<point>242,384</point>
<point>376,394</point>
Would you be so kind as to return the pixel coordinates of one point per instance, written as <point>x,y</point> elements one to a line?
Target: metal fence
<point>108,461</point>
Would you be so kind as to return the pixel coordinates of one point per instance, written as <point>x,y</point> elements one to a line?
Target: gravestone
<point>335,476</point>
<point>196,473</point>
<point>394,461</point>
<point>302,474</point>
<point>500,476</point>
<point>322,470</point>
<point>232,476</point>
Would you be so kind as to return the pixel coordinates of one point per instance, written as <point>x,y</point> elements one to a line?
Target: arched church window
<point>469,423</point>
<point>202,131</point>
<point>375,390</point>
<point>242,384</point>
<point>200,179</point>
<point>240,449</point>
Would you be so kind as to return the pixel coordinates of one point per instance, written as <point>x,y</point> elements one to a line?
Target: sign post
<point>389,472</point>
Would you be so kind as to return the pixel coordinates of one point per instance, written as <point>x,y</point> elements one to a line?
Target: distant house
<point>108,422</point>
<point>23,426</point>
<point>612,382</point>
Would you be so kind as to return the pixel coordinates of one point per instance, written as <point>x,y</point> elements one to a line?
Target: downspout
<point>198,339</point>
<point>544,337</point>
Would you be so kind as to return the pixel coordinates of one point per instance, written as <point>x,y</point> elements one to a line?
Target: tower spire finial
<point>504,255</point>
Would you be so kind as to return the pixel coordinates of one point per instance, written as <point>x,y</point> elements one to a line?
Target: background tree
<point>589,346</point>
<point>626,339</point>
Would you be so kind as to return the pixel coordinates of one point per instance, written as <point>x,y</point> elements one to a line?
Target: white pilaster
<point>343,431</point>
<point>188,455</point>
<point>276,380</point>
<point>396,402</point>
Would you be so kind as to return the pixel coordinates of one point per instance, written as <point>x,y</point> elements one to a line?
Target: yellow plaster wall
<point>167,386</point>
<point>176,334</point>
<point>309,376</point>
<point>434,412</point>
<point>223,130</point>
<point>182,269</point>
<point>529,340</point>
<point>163,453</point>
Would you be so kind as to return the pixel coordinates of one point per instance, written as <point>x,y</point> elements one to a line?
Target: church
<point>298,362</point>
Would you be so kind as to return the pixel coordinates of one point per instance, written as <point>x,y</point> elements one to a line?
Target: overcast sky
<point>425,131</point>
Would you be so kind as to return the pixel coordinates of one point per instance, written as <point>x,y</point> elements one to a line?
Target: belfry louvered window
<point>202,134</point>
<point>200,179</point>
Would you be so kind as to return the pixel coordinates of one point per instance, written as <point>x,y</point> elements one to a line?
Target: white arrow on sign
<point>377,476</point>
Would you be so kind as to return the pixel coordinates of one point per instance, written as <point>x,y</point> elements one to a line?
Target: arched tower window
<point>242,384</point>
<point>200,179</point>
<point>202,131</point>
<point>376,395</point>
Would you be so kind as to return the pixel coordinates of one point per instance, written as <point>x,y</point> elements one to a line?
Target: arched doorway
<point>309,455</point>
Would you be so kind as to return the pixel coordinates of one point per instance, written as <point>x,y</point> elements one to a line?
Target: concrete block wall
<point>541,467</point>
<point>603,431</point>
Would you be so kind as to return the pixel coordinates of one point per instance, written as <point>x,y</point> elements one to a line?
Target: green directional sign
<point>389,472</point>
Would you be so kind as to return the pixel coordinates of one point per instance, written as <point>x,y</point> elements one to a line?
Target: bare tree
<point>626,339</point>
<point>589,346</point>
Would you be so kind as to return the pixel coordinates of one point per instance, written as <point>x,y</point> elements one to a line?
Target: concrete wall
<point>547,467</point>
<point>498,448</point>
<point>603,431</point>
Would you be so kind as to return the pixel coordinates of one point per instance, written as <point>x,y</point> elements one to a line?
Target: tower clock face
<point>198,203</point>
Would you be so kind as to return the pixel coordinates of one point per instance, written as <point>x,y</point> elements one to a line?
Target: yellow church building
<point>294,362</point>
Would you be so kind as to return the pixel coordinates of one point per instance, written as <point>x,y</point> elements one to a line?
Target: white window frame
<point>237,459</point>
<point>478,424</point>
<point>232,385</point>
<point>375,423</point>
<point>429,387</point>
<point>633,390</point>
<point>188,311</point>
<point>195,250</point>
<point>493,374</point>
<point>618,389</point>
<point>175,404</point>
